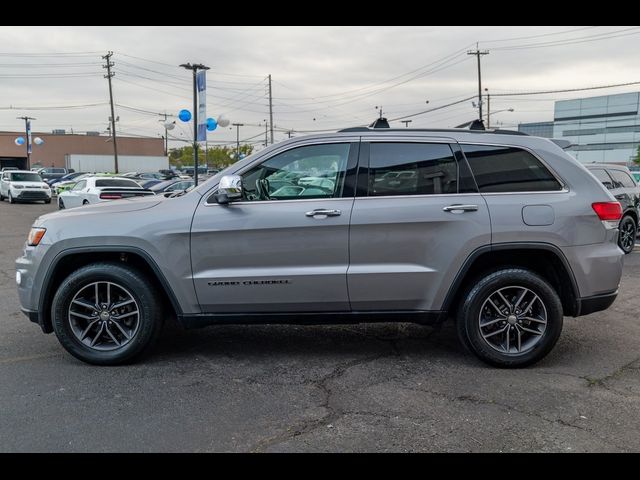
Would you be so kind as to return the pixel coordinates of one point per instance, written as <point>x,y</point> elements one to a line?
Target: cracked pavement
<point>382,388</point>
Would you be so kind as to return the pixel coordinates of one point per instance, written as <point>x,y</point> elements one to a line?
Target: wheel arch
<point>544,259</point>
<point>70,260</point>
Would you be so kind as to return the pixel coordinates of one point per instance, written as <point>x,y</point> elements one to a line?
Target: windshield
<point>25,177</point>
<point>116,183</point>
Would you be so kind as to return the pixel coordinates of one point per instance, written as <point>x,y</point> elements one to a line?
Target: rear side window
<point>622,179</point>
<point>508,169</point>
<point>412,169</point>
<point>602,176</point>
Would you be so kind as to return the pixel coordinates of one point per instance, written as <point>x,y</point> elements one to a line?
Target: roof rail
<point>437,130</point>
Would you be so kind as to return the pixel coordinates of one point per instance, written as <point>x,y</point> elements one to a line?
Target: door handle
<point>461,208</point>
<point>321,212</point>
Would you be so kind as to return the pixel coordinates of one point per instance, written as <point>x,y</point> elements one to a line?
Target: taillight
<point>608,211</point>
<point>110,196</point>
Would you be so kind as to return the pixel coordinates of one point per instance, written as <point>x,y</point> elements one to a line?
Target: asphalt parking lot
<point>345,388</point>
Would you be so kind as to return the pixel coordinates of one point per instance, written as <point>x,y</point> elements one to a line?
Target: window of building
<point>412,169</point>
<point>508,169</point>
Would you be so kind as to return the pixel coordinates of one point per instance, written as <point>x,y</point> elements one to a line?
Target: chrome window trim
<point>559,179</point>
<point>263,202</point>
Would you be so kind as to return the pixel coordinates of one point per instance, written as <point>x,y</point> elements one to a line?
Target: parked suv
<point>505,233</point>
<point>50,173</point>
<point>625,189</point>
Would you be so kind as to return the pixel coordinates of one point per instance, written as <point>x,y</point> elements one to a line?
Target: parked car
<point>96,189</point>
<point>23,186</point>
<point>625,189</point>
<point>636,176</point>
<point>63,186</point>
<point>167,175</point>
<point>65,178</point>
<point>49,173</point>
<point>177,185</point>
<point>505,233</point>
<point>150,183</point>
<point>7,169</point>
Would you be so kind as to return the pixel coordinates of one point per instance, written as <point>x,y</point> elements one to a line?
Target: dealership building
<point>56,148</point>
<point>602,129</point>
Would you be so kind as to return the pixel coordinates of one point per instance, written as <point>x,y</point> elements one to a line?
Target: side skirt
<point>310,318</point>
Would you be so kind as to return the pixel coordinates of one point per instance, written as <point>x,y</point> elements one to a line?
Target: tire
<point>11,200</point>
<point>125,282</point>
<point>503,349</point>
<point>627,236</point>
<point>47,201</point>
<point>85,202</point>
<point>60,204</point>
<point>1,198</point>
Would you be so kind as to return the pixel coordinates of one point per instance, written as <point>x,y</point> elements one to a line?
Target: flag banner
<point>29,136</point>
<point>201,84</point>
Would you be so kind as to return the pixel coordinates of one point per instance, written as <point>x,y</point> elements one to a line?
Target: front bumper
<point>23,195</point>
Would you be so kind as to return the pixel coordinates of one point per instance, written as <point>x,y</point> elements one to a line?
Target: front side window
<point>622,179</point>
<point>412,169</point>
<point>79,185</point>
<point>313,171</point>
<point>508,169</point>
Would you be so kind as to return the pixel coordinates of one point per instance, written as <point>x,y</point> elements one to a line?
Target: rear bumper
<point>596,303</point>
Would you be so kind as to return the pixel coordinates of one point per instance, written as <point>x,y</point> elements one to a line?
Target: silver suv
<point>505,233</point>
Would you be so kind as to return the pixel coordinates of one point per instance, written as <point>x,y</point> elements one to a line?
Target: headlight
<point>35,236</point>
<point>46,187</point>
<point>17,187</point>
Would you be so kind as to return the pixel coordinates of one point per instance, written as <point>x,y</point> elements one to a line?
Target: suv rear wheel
<point>106,314</point>
<point>627,235</point>
<point>510,318</point>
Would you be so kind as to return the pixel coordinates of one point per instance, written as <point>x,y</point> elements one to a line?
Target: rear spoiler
<point>563,144</point>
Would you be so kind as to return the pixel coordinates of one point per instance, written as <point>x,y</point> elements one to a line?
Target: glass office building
<point>602,129</point>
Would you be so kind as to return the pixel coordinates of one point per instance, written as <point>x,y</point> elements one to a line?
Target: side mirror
<point>229,189</point>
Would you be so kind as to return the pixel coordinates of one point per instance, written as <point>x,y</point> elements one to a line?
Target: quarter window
<point>412,169</point>
<point>312,171</point>
<point>508,169</point>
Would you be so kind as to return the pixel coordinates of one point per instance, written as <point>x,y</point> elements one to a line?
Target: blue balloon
<point>211,124</point>
<point>19,141</point>
<point>184,115</point>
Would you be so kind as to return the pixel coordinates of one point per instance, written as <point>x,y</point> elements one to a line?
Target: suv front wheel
<point>106,314</point>
<point>510,318</point>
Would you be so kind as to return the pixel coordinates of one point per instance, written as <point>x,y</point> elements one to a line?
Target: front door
<point>414,224</point>
<point>284,247</point>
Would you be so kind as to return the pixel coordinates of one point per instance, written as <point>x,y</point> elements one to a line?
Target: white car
<point>100,189</point>
<point>23,186</point>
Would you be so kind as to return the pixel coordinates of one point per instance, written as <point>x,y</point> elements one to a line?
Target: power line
<point>538,36</point>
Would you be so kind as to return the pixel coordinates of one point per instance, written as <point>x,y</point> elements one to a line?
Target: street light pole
<point>195,67</point>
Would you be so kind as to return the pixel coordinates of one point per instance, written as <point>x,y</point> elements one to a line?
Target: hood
<point>30,184</point>
<point>115,206</point>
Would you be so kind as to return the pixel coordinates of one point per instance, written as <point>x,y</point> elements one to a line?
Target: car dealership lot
<point>340,388</point>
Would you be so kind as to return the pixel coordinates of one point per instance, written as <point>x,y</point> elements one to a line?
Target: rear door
<point>416,219</point>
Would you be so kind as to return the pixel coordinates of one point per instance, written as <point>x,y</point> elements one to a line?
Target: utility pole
<point>108,76</point>
<point>238,125</point>
<point>195,67</point>
<point>478,53</point>
<point>266,131</point>
<point>27,132</point>
<point>488,108</point>
<point>270,109</point>
<point>289,133</point>
<point>166,134</point>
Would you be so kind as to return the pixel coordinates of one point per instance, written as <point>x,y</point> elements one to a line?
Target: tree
<point>216,157</point>
<point>637,159</point>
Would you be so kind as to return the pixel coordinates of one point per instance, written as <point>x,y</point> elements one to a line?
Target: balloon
<point>223,121</point>
<point>38,141</point>
<point>19,141</point>
<point>211,124</point>
<point>170,125</point>
<point>184,115</point>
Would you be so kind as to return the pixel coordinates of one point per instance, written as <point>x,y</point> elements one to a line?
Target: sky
<point>323,78</point>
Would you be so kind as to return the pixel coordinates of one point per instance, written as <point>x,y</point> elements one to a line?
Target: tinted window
<point>80,185</point>
<point>508,169</point>
<point>412,169</point>
<point>25,177</point>
<point>314,171</point>
<point>622,179</point>
<point>603,176</point>
<point>116,183</point>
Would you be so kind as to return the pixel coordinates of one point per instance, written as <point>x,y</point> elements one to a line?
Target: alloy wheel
<point>512,320</point>
<point>627,235</point>
<point>104,316</point>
